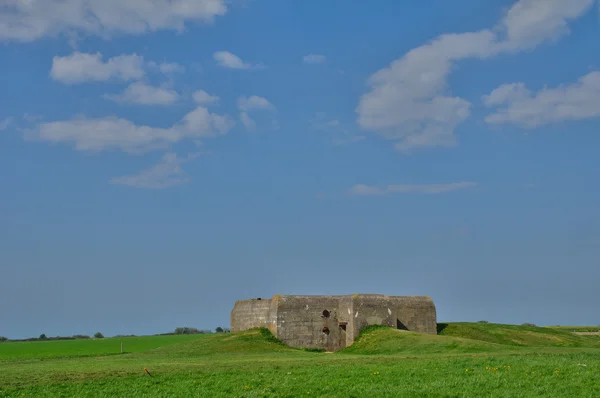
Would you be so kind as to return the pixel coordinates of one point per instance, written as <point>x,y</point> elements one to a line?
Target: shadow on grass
<point>441,327</point>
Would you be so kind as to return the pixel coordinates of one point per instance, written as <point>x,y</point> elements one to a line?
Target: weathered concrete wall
<point>346,319</point>
<point>309,322</point>
<point>333,322</point>
<point>416,313</point>
<point>371,309</point>
<point>250,314</point>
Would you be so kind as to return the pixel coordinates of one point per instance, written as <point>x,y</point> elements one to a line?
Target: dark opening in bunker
<point>400,325</point>
<point>325,330</point>
<point>326,313</point>
<point>343,326</point>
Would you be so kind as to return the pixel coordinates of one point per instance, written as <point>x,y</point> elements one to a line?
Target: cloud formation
<point>144,94</point>
<point>529,23</point>
<point>409,103</point>
<point>403,188</point>
<point>253,103</point>
<point>526,109</point>
<point>5,123</point>
<point>167,173</point>
<point>168,68</point>
<point>247,121</point>
<point>229,60</point>
<point>28,20</point>
<point>110,133</point>
<point>201,97</point>
<point>313,59</point>
<point>81,67</point>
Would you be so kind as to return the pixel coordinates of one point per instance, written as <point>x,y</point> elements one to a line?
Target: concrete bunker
<point>332,322</point>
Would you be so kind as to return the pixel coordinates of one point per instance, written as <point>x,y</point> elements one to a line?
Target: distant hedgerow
<point>187,330</point>
<point>3,339</point>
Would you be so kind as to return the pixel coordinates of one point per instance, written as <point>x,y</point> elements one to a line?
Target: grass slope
<point>387,341</point>
<point>517,335</point>
<point>255,341</point>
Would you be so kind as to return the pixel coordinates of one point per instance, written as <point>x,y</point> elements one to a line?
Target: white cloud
<point>247,121</point>
<point>531,22</point>
<point>313,59</point>
<point>506,93</point>
<point>80,67</point>
<point>226,59</point>
<point>105,133</point>
<point>143,94</point>
<point>165,174</point>
<point>201,97</point>
<point>4,124</point>
<point>28,20</point>
<point>201,123</point>
<point>121,134</point>
<point>402,188</point>
<point>409,103</point>
<point>569,102</point>
<point>254,102</point>
<point>167,68</point>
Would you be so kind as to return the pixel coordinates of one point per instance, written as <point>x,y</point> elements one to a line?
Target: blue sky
<point>159,163</point>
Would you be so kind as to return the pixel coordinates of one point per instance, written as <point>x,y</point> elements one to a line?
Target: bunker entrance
<point>400,325</point>
<point>342,340</point>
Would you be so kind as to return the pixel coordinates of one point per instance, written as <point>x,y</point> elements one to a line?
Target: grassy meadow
<point>465,359</point>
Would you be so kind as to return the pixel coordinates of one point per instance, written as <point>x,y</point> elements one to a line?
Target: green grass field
<point>83,348</point>
<point>465,359</point>
<point>578,328</point>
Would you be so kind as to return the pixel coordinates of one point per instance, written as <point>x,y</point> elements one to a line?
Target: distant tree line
<point>190,330</point>
<point>98,335</point>
<point>43,337</point>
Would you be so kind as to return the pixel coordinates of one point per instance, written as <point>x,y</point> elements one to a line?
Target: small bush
<point>98,335</point>
<point>482,322</point>
<point>43,336</point>
<point>3,339</point>
<point>528,324</point>
<point>219,330</point>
